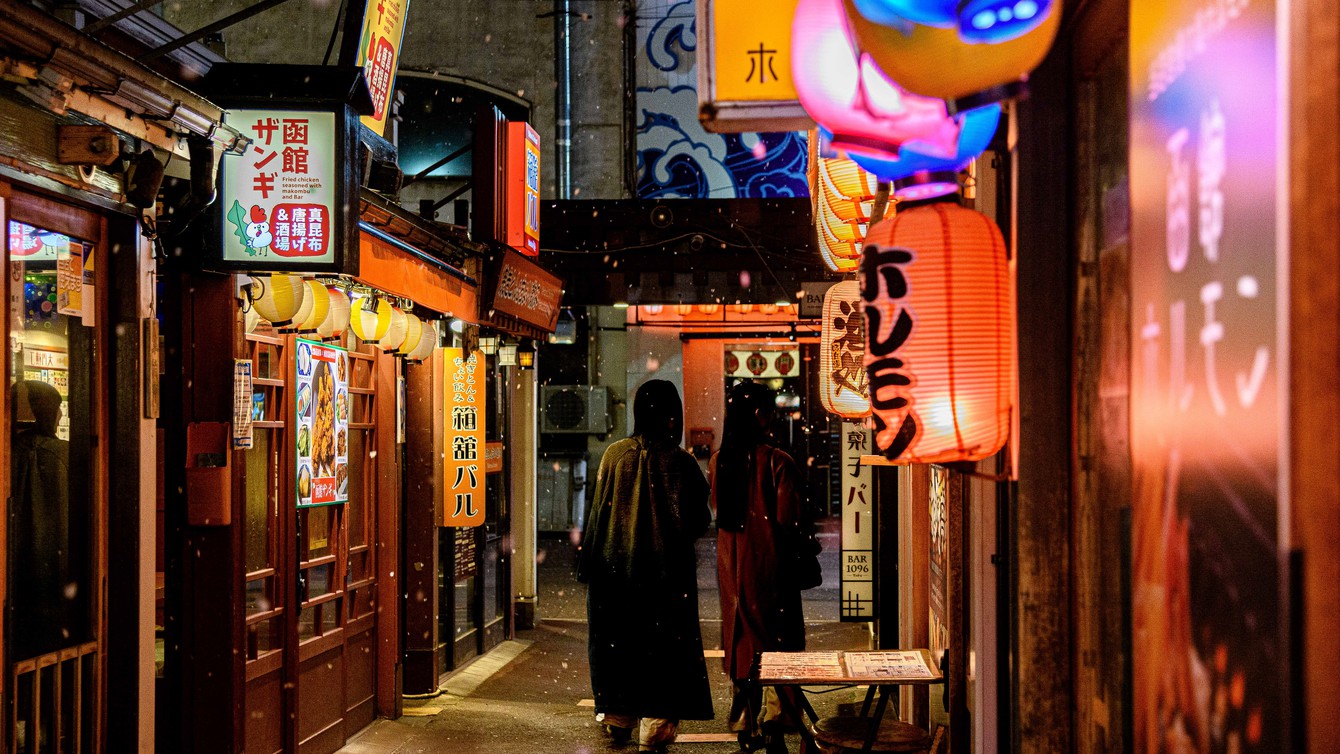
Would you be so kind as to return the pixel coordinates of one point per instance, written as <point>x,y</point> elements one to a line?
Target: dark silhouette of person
<point>41,586</point>
<point>639,562</point>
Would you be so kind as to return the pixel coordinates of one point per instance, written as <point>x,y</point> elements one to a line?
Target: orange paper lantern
<point>843,387</point>
<point>939,317</point>
<point>844,196</point>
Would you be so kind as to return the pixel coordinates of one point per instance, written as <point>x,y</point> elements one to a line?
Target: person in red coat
<point>760,516</point>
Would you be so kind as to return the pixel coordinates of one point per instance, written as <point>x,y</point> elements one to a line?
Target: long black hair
<point>658,413</point>
<point>748,407</point>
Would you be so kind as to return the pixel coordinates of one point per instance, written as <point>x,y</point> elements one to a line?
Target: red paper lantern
<point>939,316</point>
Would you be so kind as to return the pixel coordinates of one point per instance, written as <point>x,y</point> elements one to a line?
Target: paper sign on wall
<point>858,527</point>
<point>379,55</point>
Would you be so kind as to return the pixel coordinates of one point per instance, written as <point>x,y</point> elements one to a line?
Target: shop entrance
<point>56,410</point>
<point>311,573</point>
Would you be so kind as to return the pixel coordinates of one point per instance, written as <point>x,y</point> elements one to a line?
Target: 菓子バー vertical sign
<point>523,188</point>
<point>858,527</point>
<point>379,55</point>
<point>464,415</point>
<point>321,434</point>
<point>744,67</point>
<point>280,198</point>
<point>1207,420</point>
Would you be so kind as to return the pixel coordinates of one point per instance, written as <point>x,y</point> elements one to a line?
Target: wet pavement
<point>533,694</point>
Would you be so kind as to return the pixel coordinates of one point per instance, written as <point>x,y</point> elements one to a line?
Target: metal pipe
<point>563,105</point>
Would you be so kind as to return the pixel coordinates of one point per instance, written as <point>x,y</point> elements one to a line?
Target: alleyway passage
<point>532,695</point>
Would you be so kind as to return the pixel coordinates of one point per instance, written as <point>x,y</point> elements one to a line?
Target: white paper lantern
<point>395,332</point>
<point>413,335</point>
<point>337,321</point>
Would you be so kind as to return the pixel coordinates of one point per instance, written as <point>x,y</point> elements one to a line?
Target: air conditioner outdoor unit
<point>575,409</point>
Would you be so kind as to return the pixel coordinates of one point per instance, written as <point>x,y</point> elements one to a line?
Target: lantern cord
<point>339,22</point>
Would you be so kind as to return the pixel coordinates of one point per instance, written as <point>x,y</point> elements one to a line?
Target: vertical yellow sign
<point>751,50</point>
<point>463,480</point>
<point>379,55</point>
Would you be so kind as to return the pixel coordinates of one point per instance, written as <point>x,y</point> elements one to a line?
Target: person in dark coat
<point>760,516</point>
<point>639,563</point>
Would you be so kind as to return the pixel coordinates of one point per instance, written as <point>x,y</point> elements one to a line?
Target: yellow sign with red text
<point>463,480</point>
<point>379,56</point>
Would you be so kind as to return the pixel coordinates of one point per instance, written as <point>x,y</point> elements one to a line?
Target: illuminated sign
<point>464,451</point>
<point>744,71</point>
<point>379,54</point>
<point>280,198</point>
<point>1208,410</point>
<point>322,435</point>
<point>526,291</point>
<point>523,188</point>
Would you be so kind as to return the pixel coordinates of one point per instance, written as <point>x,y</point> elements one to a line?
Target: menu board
<point>890,664</point>
<point>322,434</point>
<point>783,665</point>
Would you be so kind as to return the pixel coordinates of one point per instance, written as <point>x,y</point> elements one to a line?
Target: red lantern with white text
<point>843,388</point>
<point>939,317</point>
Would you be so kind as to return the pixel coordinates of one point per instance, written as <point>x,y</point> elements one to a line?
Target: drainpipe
<point>563,105</point>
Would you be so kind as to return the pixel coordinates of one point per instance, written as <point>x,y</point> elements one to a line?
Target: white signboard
<point>858,527</point>
<point>279,198</point>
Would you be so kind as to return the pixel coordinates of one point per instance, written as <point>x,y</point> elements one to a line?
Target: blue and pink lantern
<point>977,21</point>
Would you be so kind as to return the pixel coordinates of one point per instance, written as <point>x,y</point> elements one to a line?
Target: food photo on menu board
<point>321,438</point>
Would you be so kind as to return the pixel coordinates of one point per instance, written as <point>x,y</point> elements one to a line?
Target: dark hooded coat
<point>760,604</point>
<point>638,559</point>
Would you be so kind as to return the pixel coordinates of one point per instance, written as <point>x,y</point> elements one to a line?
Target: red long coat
<point>760,612</point>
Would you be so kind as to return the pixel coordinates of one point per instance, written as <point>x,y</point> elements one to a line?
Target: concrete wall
<point>499,43</point>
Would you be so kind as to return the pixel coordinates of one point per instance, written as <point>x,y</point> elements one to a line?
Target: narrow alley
<point>532,694</point>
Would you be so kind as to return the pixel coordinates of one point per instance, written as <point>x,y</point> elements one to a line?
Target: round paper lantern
<point>843,388</point>
<point>318,309</point>
<point>939,63</point>
<point>277,298</point>
<point>427,342</point>
<point>851,96</point>
<point>337,320</point>
<point>989,21</point>
<point>370,318</point>
<point>939,329</point>
<point>683,310</point>
<point>653,309</point>
<point>709,308</point>
<point>395,331</point>
<point>742,308</point>
<point>917,176</point>
<point>413,334</point>
<point>250,318</point>
<point>768,309</point>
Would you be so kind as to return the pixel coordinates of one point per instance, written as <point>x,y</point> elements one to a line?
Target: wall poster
<point>464,452</point>
<point>1207,424</point>
<point>322,434</point>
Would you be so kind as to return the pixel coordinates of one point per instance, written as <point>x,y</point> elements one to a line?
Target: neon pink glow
<point>848,94</point>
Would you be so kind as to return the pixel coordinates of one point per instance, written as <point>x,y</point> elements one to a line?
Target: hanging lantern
<point>653,309</point>
<point>843,388</point>
<point>250,318</point>
<point>428,342</point>
<point>395,331</point>
<point>683,310</point>
<point>413,334</point>
<point>742,308</point>
<point>988,21</point>
<point>916,176</point>
<point>709,309</point>
<point>370,318</point>
<point>843,196</point>
<point>939,329</point>
<point>318,310</point>
<point>939,63</point>
<point>851,96</point>
<point>277,298</point>
<point>337,321</point>
<point>768,309</point>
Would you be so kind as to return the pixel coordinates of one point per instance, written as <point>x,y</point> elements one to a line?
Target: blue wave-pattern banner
<point>676,157</point>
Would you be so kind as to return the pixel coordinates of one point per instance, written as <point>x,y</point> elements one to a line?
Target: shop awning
<point>393,266</point>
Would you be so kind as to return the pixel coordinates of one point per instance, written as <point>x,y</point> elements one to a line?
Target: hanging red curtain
<point>939,316</point>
